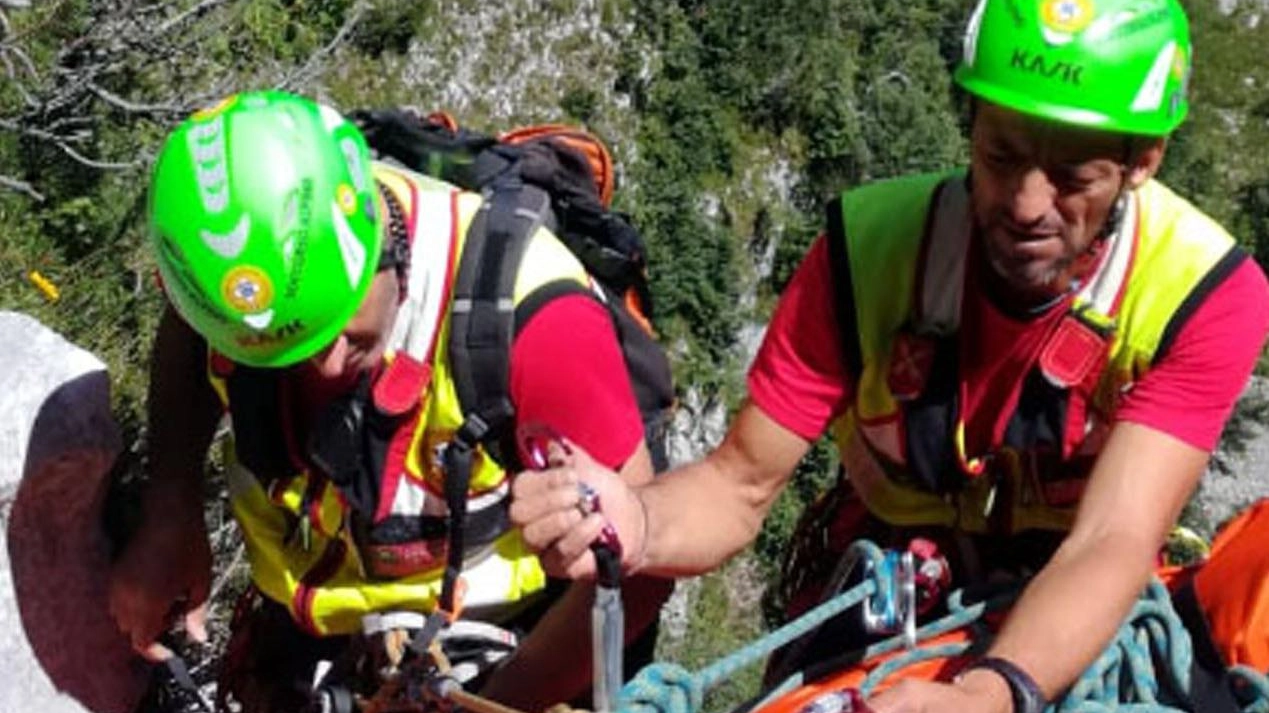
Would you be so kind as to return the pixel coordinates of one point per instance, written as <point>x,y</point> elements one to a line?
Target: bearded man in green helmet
<point>310,295</point>
<point>1027,364</point>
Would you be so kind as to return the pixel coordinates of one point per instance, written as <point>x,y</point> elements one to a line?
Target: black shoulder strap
<point>843,288</point>
<point>482,322</point>
<point>482,326</point>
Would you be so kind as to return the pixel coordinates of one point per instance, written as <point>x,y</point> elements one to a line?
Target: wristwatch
<point>1027,697</point>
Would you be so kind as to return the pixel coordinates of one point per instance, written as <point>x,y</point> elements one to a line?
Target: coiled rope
<point>1145,669</point>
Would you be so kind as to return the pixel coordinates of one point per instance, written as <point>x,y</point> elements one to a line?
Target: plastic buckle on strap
<point>471,431</point>
<point>439,619</point>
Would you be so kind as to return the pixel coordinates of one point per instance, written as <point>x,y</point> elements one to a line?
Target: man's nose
<point>1033,196</point>
<point>332,362</point>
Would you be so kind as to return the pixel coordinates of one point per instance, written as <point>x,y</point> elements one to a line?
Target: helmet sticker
<point>206,144</point>
<point>228,245</point>
<point>247,289</point>
<point>216,109</point>
<point>331,119</point>
<point>1110,24</point>
<point>264,338</point>
<point>350,248</point>
<point>346,197</point>
<point>1150,95</point>
<point>352,156</point>
<point>296,217</point>
<point>1180,67</point>
<point>971,33</point>
<point>1061,20</point>
<point>259,322</point>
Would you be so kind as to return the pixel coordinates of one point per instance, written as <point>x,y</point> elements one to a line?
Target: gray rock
<point>61,650</point>
<point>1244,478</point>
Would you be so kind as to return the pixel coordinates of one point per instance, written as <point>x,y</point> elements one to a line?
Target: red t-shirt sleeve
<point>1190,393</point>
<point>567,372</point>
<point>799,377</point>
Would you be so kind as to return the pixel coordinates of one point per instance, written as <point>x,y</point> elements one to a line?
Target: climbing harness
<point>406,678</point>
<point>412,667</point>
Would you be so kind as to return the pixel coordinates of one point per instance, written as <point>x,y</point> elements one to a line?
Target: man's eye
<point>997,158</point>
<point>1069,181</point>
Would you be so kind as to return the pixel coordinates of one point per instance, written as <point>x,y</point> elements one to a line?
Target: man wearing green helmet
<point>1026,364</point>
<point>310,291</point>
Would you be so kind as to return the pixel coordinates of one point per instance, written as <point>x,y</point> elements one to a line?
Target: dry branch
<point>136,63</point>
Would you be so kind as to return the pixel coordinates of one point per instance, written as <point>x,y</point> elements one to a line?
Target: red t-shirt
<point>799,377</point>
<point>567,372</point>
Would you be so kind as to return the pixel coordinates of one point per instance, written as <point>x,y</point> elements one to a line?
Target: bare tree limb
<point>134,61</point>
<point>93,163</point>
<point>118,101</point>
<point>226,574</point>
<point>14,184</point>
<point>198,9</point>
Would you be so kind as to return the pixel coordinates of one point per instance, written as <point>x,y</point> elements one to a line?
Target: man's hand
<point>164,571</point>
<point>547,506</point>
<point>978,691</point>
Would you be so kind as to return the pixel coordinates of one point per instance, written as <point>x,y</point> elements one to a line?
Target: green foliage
<point>722,618</point>
<point>286,30</point>
<point>814,476</point>
<point>580,104</point>
<point>390,26</point>
<point>1209,160</point>
<point>687,138</point>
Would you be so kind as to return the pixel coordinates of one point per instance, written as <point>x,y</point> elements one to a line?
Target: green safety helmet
<point>262,214</point>
<point>1116,65</point>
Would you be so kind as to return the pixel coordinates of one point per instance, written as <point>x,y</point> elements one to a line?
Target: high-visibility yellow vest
<point>297,533</point>
<point>905,243</point>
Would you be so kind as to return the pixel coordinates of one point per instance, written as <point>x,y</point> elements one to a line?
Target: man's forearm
<point>182,414</point>
<point>695,519</point>
<point>1071,610</point>
<point>697,516</point>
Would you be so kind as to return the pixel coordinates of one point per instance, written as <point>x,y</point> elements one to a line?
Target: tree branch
<point>14,184</point>
<point>132,107</point>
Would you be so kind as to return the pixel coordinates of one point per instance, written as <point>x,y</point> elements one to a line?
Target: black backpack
<point>551,175</point>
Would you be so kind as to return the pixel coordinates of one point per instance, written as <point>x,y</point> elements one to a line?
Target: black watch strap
<point>1027,697</point>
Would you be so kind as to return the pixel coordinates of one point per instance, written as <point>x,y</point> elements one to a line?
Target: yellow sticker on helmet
<point>1066,16</point>
<point>247,289</point>
<point>215,109</point>
<point>1179,65</point>
<point>346,197</point>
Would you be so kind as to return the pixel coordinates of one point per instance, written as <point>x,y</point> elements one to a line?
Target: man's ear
<point>1146,162</point>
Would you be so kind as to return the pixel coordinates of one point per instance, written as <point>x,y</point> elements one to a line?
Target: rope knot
<point>662,688</point>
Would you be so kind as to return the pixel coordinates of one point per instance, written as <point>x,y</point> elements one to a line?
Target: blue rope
<point>1251,688</point>
<point>669,688</point>
<point>1150,648</point>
